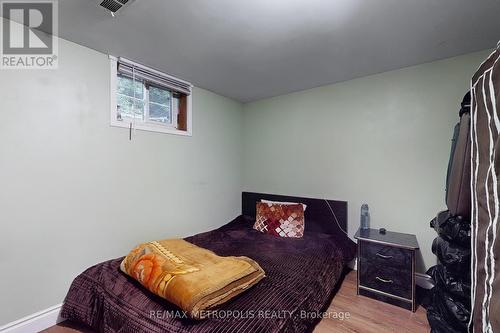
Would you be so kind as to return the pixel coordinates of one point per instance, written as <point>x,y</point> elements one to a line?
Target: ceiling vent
<point>114,6</point>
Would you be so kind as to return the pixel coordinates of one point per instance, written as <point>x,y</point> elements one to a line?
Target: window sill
<point>151,128</point>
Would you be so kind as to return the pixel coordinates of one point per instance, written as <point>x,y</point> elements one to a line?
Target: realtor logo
<point>28,34</point>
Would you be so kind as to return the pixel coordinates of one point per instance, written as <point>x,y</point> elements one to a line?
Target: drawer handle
<point>382,280</point>
<point>382,256</point>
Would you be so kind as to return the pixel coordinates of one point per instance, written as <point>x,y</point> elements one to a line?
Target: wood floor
<point>368,315</point>
<point>365,315</point>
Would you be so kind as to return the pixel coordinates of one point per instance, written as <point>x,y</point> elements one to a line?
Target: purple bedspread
<point>301,275</point>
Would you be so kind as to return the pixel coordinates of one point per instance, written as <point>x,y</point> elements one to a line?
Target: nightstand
<point>386,267</point>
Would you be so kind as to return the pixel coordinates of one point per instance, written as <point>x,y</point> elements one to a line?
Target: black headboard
<point>321,215</point>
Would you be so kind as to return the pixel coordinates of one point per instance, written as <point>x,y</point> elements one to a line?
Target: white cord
<point>335,216</point>
<point>133,103</point>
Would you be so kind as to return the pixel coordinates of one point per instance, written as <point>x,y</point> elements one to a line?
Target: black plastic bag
<point>446,313</point>
<point>452,228</point>
<point>423,296</point>
<point>438,324</point>
<point>457,286</point>
<point>455,258</point>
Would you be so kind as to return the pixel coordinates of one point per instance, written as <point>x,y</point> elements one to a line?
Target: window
<point>146,99</point>
<point>145,102</point>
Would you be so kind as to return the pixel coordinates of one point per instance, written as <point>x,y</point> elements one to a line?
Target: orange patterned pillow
<point>280,220</point>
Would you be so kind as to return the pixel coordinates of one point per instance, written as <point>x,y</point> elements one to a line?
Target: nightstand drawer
<point>387,279</point>
<point>379,254</point>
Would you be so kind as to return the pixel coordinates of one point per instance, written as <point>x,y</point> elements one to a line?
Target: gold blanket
<point>193,278</point>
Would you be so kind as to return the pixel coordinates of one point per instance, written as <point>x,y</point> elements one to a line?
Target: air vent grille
<point>111,5</point>
<point>114,6</point>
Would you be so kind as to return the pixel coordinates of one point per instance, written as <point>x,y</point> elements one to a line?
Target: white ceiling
<point>248,50</point>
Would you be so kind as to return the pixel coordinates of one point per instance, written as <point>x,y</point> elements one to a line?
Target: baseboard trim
<point>423,275</point>
<point>423,280</point>
<point>35,322</point>
<point>353,264</point>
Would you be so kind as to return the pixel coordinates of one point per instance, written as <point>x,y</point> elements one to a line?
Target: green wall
<point>382,139</point>
<point>75,191</point>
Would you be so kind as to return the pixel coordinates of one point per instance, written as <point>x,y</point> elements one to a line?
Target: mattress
<point>301,276</point>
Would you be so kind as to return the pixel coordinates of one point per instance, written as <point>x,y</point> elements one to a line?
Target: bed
<point>301,278</point>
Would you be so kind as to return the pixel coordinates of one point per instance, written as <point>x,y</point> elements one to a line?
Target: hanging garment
<point>485,174</point>
<point>448,310</point>
<point>458,175</point>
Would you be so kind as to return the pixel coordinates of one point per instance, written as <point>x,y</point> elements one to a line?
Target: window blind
<point>149,75</point>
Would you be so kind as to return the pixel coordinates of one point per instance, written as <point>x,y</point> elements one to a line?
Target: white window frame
<point>146,125</point>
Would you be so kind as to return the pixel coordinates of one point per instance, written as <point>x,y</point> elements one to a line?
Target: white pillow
<point>283,203</point>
